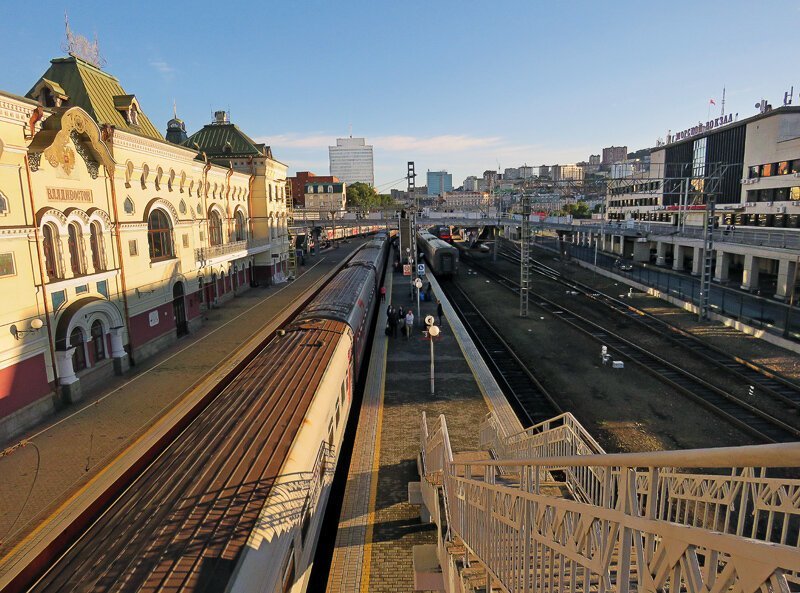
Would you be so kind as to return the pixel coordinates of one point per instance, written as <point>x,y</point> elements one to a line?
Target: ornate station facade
<point>114,240</point>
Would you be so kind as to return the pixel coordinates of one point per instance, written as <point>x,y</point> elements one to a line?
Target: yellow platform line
<point>376,463</point>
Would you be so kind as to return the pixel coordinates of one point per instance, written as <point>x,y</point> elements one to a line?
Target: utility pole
<point>413,239</point>
<point>525,256</point>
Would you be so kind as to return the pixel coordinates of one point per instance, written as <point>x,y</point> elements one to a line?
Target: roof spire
<point>174,109</point>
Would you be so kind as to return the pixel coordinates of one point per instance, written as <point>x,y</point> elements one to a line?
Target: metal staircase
<point>551,512</point>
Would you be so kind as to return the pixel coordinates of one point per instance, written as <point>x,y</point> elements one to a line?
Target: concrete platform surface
<point>378,527</point>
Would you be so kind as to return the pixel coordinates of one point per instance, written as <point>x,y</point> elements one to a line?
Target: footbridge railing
<point>705,520</point>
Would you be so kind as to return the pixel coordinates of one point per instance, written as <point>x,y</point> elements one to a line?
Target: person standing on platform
<point>383,294</point>
<point>409,323</point>
<point>393,321</point>
<point>439,311</point>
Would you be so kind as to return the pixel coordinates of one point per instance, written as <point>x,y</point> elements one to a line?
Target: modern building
<point>612,154</point>
<point>439,182</point>
<point>326,197</point>
<point>756,162</point>
<point>526,172</point>
<point>544,171</point>
<point>115,240</point>
<point>566,172</point>
<point>298,183</point>
<point>351,161</point>
<point>471,183</point>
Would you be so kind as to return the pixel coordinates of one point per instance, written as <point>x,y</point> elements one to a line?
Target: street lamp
<point>35,325</point>
<point>418,285</point>
<point>433,331</point>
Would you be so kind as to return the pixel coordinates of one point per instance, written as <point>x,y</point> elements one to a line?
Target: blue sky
<point>462,86</point>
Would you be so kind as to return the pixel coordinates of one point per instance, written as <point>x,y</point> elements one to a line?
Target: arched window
<point>79,356</point>
<point>3,204</point>
<point>75,243</point>
<point>241,232</point>
<point>159,235</point>
<point>215,228</point>
<point>96,244</point>
<point>98,341</point>
<point>49,238</point>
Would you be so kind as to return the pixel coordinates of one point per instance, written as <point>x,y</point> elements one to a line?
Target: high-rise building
<point>612,154</point>
<point>351,161</point>
<point>525,172</point>
<point>594,159</point>
<point>471,183</point>
<point>439,182</point>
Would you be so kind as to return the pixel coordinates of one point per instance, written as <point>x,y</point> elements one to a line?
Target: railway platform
<point>69,456</point>
<point>378,527</point>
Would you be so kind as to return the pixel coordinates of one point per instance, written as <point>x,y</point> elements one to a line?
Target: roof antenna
<point>350,129</point>
<point>174,109</point>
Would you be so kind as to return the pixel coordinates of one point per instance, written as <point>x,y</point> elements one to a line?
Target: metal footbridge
<point>546,510</point>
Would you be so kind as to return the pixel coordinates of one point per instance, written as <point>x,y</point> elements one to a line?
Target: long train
<point>236,503</point>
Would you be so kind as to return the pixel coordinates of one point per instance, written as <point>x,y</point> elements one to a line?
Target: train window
<point>330,433</point>
<point>338,415</point>
<point>344,391</point>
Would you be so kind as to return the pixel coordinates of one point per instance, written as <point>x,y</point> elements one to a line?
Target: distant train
<point>444,233</point>
<point>441,256</point>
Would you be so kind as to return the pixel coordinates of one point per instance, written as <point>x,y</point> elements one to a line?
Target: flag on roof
<point>712,102</point>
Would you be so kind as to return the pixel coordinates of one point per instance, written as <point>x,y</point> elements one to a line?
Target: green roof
<point>226,140</point>
<point>96,92</point>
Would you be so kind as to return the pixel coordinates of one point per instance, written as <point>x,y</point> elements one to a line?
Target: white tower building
<point>351,161</point>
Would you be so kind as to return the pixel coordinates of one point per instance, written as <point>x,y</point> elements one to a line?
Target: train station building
<point>753,168</point>
<point>116,240</point>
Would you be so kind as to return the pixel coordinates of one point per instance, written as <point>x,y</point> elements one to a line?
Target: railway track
<point>748,372</point>
<point>531,401</point>
<point>736,411</point>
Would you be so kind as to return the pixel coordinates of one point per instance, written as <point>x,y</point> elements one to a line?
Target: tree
<point>361,196</point>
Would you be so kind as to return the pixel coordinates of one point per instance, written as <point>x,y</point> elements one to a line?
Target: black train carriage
<point>372,255</point>
<point>442,257</point>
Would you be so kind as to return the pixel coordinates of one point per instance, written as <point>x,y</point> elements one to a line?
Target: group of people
<point>397,317</point>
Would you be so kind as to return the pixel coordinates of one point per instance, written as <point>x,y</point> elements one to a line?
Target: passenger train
<point>344,308</point>
<point>442,257</point>
<point>244,490</point>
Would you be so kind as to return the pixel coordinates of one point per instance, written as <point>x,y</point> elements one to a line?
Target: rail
<point>722,402</point>
<point>655,527</point>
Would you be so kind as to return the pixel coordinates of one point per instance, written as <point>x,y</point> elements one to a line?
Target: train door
<point>446,263</point>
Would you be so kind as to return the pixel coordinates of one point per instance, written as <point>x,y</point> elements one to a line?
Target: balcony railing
<point>214,251</point>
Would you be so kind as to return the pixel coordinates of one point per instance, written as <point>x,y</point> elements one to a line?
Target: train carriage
<point>442,257</point>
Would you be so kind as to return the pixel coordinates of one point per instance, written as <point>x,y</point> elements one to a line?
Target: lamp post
<point>418,285</point>
<point>433,331</point>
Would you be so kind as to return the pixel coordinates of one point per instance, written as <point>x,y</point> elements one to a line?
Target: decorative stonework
<point>91,164</point>
<point>60,153</point>
<point>35,160</point>
<point>102,215</point>
<point>164,204</point>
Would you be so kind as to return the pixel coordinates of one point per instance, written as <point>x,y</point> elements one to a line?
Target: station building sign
<point>702,128</point>
<point>58,194</point>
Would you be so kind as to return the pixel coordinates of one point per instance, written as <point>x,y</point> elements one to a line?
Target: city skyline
<point>525,89</point>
